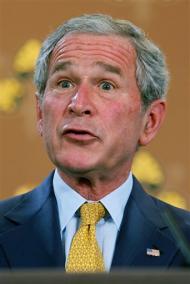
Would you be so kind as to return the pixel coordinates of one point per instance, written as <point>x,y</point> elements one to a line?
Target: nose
<point>81,103</point>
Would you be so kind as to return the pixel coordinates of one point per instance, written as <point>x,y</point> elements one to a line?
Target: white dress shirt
<point>69,201</point>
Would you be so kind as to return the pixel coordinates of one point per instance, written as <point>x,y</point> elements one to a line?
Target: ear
<point>39,115</point>
<point>153,119</point>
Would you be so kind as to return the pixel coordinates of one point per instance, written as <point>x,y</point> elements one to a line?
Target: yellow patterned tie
<point>85,254</point>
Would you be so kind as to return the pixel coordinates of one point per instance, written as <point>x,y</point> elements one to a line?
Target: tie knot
<point>91,213</point>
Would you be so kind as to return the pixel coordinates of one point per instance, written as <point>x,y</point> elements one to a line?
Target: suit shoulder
<point>7,205</point>
<point>33,198</point>
<point>148,203</point>
<point>182,215</point>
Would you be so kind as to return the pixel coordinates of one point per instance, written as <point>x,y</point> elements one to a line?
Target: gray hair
<point>151,71</point>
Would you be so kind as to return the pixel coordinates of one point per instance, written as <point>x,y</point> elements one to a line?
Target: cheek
<point>50,110</point>
<point>53,106</point>
<point>114,121</point>
<point>123,121</point>
<point>122,113</point>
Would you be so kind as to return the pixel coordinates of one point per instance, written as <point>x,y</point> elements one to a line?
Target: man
<point>101,87</point>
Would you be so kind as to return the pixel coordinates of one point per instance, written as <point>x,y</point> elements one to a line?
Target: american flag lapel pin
<point>152,252</point>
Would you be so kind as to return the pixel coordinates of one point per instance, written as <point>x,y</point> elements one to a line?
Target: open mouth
<point>79,134</point>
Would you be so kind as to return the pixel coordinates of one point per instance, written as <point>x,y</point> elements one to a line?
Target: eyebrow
<point>61,66</point>
<point>108,67</point>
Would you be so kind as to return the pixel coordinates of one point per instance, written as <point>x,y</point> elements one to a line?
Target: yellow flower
<point>11,92</point>
<point>147,169</point>
<point>174,198</point>
<point>23,189</point>
<point>25,59</point>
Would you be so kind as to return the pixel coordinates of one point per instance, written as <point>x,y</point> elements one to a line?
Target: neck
<point>93,186</point>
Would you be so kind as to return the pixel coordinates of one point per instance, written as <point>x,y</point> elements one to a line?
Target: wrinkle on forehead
<point>88,44</point>
<point>109,40</point>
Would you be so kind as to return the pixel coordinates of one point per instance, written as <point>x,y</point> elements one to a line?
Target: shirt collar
<point>69,201</point>
<point>116,201</point>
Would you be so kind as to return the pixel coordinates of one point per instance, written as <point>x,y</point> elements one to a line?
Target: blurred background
<point>165,165</point>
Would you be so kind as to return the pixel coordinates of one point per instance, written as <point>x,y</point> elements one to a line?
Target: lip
<point>79,134</point>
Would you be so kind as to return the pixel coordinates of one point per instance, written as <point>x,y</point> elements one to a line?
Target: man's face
<point>91,116</point>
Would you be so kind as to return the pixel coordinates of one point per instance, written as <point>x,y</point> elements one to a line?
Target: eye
<point>65,84</point>
<point>106,86</point>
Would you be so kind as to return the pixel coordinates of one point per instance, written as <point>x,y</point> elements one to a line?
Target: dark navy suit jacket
<point>30,232</point>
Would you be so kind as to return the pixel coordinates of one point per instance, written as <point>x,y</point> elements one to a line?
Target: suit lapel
<point>142,228</point>
<point>35,231</point>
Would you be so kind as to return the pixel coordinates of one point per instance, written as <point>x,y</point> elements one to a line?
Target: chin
<point>75,162</point>
<point>77,167</point>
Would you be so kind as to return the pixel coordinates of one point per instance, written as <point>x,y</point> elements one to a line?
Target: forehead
<point>88,47</point>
